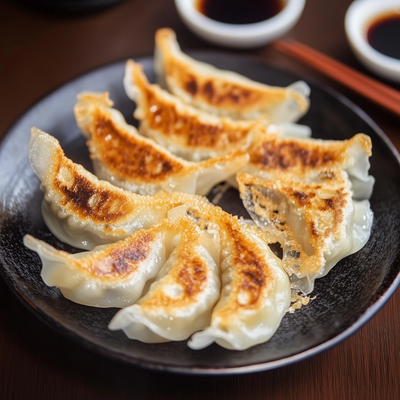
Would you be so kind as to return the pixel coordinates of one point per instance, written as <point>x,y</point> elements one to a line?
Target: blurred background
<point>45,43</point>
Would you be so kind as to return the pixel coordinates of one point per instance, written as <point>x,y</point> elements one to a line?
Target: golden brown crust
<point>118,262</point>
<point>190,272</point>
<point>82,195</point>
<point>87,199</point>
<point>129,157</point>
<point>272,153</point>
<point>215,91</point>
<point>191,276</point>
<point>253,274</point>
<point>323,207</point>
<point>132,158</point>
<point>167,118</point>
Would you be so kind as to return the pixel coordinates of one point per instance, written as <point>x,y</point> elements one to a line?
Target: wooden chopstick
<point>377,92</point>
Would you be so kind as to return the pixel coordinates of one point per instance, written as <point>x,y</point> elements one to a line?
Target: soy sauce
<point>239,11</point>
<point>384,35</point>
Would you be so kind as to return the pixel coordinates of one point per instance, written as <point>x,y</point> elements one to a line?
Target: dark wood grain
<point>39,51</point>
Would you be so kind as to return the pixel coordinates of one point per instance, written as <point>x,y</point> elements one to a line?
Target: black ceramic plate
<point>345,299</point>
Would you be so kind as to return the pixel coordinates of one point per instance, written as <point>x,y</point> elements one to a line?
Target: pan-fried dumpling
<point>110,275</point>
<point>188,132</point>
<point>181,299</point>
<point>128,160</point>
<point>184,130</point>
<point>85,212</point>
<point>310,160</point>
<point>317,224</point>
<point>224,92</point>
<point>255,292</point>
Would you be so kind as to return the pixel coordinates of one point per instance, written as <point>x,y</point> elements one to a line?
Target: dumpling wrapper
<point>188,132</point>
<point>317,224</point>
<point>111,275</point>
<point>181,299</point>
<point>85,212</point>
<point>222,92</point>
<point>308,160</point>
<point>128,160</point>
<point>255,292</point>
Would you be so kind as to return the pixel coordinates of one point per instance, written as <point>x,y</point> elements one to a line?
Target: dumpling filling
<point>317,224</point>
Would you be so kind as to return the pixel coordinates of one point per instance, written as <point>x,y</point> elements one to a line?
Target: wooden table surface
<point>40,51</point>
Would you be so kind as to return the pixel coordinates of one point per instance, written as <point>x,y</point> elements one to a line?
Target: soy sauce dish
<point>373,30</point>
<point>238,23</point>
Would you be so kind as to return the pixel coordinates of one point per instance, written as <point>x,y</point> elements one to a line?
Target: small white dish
<point>359,17</point>
<point>240,35</point>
